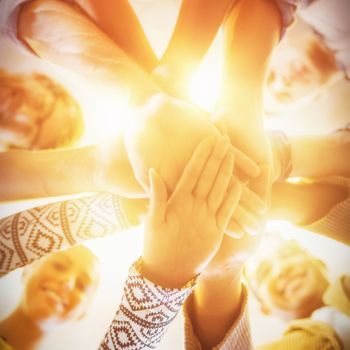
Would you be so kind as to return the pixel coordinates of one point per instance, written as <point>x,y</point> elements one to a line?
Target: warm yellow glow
<point>204,87</point>
<point>289,231</point>
<point>111,113</point>
<point>295,180</point>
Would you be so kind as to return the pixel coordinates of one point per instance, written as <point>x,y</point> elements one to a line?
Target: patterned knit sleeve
<point>34,233</point>
<point>238,336</point>
<point>145,312</point>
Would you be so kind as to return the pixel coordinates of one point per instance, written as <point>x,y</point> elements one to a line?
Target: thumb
<point>158,197</point>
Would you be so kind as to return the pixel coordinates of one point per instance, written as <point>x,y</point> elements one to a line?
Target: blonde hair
<point>43,97</point>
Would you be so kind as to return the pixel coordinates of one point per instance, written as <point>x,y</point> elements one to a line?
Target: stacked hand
<point>184,230</point>
<point>159,140</point>
<point>250,138</point>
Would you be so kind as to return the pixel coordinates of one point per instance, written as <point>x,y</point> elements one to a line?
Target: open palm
<point>185,231</point>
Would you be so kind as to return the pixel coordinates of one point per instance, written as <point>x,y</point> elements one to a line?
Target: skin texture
<point>198,210</point>
<point>241,99</point>
<point>160,140</point>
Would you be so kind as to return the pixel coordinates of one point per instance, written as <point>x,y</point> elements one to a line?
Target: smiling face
<point>290,283</point>
<point>36,113</point>
<point>299,69</point>
<point>60,287</point>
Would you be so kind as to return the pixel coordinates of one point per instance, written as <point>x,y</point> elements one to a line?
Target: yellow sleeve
<point>306,334</point>
<point>337,296</point>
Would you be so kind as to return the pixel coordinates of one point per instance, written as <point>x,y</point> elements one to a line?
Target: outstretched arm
<point>321,206</point>
<point>252,30</point>
<point>34,233</point>
<point>117,19</point>
<point>76,43</point>
<point>197,211</point>
<point>196,27</point>
<point>33,174</point>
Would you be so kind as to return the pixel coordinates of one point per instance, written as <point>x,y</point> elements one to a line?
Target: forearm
<point>252,30</point>
<point>37,232</point>
<point>319,156</point>
<point>196,27</point>
<point>303,204</point>
<point>215,306</point>
<point>117,19</point>
<point>76,43</point>
<point>30,174</point>
<point>146,309</point>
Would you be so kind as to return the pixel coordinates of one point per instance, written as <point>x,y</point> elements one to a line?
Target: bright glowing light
<point>108,116</point>
<point>295,180</point>
<point>288,231</point>
<point>204,87</point>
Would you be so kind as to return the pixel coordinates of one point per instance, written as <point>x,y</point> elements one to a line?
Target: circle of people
<point>204,184</point>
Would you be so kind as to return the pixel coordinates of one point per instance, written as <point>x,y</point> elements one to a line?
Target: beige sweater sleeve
<point>336,223</point>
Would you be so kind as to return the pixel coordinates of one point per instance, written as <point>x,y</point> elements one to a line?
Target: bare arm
<point>117,19</point>
<point>76,43</point>
<point>214,307</point>
<point>320,156</point>
<point>31,174</point>
<point>217,303</point>
<point>196,27</point>
<point>313,156</point>
<point>304,204</point>
<point>252,31</point>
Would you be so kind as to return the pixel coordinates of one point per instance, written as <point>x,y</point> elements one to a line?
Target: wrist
<point>173,79</point>
<point>213,308</point>
<point>165,276</point>
<point>219,294</point>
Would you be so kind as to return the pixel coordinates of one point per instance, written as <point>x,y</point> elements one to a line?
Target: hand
<point>231,256</point>
<point>248,215</point>
<point>251,139</point>
<point>113,172</point>
<point>183,232</point>
<point>165,136</point>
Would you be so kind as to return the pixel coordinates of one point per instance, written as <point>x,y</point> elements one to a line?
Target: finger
<point>221,126</point>
<point>234,230</point>
<point>212,167</point>
<point>221,183</point>
<point>158,197</point>
<point>244,163</point>
<point>262,185</point>
<point>194,166</point>
<point>247,220</point>
<point>229,205</point>
<point>252,201</point>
